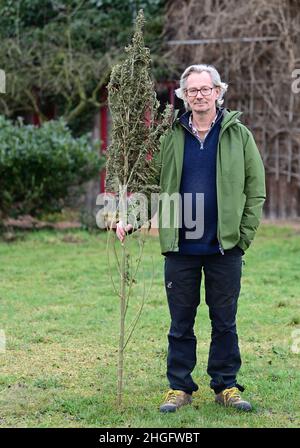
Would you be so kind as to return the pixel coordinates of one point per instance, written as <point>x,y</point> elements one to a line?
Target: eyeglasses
<point>205,91</point>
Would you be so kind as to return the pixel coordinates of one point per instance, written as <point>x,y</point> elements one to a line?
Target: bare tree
<point>256,47</point>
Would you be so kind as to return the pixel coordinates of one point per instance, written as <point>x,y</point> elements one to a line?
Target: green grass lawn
<point>60,316</point>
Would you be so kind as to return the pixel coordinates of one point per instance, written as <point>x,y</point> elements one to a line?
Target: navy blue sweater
<point>199,176</point>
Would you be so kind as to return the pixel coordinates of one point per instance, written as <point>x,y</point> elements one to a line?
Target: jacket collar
<point>229,117</point>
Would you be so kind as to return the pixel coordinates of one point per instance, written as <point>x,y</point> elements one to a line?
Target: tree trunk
<point>122,325</point>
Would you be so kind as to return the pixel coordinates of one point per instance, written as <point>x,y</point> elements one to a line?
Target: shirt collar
<point>193,127</point>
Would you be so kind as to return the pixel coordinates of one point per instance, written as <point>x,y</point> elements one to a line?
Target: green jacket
<point>240,182</point>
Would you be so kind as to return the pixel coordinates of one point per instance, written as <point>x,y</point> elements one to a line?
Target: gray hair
<point>215,77</point>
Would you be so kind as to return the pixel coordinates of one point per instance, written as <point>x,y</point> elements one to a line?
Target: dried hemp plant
<point>132,163</point>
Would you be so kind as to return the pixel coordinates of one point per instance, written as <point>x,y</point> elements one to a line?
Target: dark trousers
<point>222,287</point>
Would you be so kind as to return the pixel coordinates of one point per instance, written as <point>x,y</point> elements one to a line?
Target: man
<point>211,158</point>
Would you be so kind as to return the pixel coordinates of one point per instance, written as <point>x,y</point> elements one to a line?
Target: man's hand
<point>122,229</point>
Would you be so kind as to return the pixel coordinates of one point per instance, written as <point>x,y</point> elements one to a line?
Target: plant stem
<point>122,325</point>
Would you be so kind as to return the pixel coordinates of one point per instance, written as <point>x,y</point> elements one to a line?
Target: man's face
<point>201,103</point>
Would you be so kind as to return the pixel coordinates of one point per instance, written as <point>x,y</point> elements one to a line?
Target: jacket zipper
<point>221,249</point>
